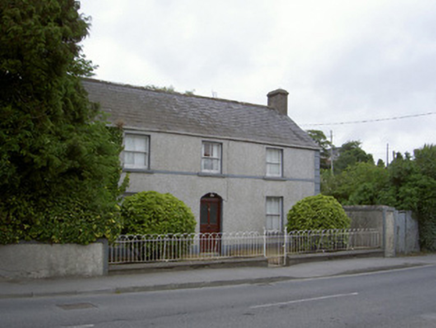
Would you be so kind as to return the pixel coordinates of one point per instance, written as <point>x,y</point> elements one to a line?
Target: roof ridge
<point>120,84</point>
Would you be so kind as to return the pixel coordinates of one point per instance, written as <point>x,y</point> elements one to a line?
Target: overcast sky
<point>340,60</point>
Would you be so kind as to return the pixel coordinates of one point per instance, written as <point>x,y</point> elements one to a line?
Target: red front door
<point>210,223</point>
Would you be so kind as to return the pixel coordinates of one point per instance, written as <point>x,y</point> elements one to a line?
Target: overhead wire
<point>370,121</point>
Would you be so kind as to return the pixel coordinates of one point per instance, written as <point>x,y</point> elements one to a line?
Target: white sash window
<point>274,212</point>
<point>136,150</point>
<point>274,158</point>
<point>211,157</point>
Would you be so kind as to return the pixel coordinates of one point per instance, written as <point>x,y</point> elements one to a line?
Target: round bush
<point>317,213</point>
<point>150,212</point>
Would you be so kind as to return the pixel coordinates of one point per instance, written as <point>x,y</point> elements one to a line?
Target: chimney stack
<point>278,99</point>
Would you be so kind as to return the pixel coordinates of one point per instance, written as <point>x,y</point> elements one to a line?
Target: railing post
<point>264,242</point>
<point>164,247</point>
<point>285,246</point>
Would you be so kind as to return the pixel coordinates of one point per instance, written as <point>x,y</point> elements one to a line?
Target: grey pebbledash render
<point>238,166</point>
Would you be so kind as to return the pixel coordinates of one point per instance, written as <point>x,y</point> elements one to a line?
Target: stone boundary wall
<point>399,229</point>
<point>39,260</point>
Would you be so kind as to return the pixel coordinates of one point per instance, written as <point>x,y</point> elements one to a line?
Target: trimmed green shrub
<point>150,212</point>
<point>153,213</point>
<point>317,213</point>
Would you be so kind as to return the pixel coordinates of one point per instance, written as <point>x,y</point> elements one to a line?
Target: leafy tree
<point>402,176</point>
<point>406,184</point>
<point>59,163</point>
<point>359,184</point>
<point>169,89</point>
<point>413,184</point>
<point>349,154</point>
<point>153,87</point>
<point>425,159</point>
<point>380,163</point>
<point>320,138</point>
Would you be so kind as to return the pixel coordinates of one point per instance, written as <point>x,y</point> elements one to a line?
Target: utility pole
<point>331,152</point>
<point>387,155</point>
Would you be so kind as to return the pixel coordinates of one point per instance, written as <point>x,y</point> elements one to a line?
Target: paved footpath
<point>175,279</point>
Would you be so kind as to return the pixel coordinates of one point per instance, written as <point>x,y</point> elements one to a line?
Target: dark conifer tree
<point>59,162</point>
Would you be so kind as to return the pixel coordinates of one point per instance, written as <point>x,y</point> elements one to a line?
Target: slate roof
<point>143,109</point>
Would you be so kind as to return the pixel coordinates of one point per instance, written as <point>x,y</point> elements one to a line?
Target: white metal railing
<point>300,242</point>
<point>270,244</point>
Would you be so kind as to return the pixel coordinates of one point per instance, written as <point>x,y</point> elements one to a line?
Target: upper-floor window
<point>136,151</point>
<point>274,212</point>
<point>211,157</point>
<point>274,159</point>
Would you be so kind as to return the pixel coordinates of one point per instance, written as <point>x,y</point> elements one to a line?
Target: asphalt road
<point>400,298</point>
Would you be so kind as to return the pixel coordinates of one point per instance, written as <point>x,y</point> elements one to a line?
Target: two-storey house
<point>238,166</point>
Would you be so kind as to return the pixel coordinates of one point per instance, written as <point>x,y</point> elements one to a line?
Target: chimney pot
<point>278,99</point>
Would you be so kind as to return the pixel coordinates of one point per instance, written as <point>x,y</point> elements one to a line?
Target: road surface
<point>399,298</point>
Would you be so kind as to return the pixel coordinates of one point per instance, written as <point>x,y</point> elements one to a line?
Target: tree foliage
<point>425,160</point>
<point>169,89</point>
<point>408,183</point>
<point>359,184</point>
<point>150,212</point>
<point>414,185</point>
<point>318,212</point>
<point>59,163</point>
<point>320,138</point>
<point>351,153</point>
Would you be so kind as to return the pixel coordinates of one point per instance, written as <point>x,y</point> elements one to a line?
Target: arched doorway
<point>210,222</point>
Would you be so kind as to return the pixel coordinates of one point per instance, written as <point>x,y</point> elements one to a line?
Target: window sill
<point>274,178</point>
<point>137,170</point>
<point>211,175</point>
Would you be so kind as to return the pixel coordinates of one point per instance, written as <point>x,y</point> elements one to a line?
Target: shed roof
<point>149,110</point>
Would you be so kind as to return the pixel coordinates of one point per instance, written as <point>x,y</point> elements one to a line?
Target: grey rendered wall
<point>38,260</point>
<point>407,233</point>
<point>175,167</point>
<point>398,228</point>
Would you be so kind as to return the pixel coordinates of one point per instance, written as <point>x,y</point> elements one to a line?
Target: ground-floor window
<point>274,213</point>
